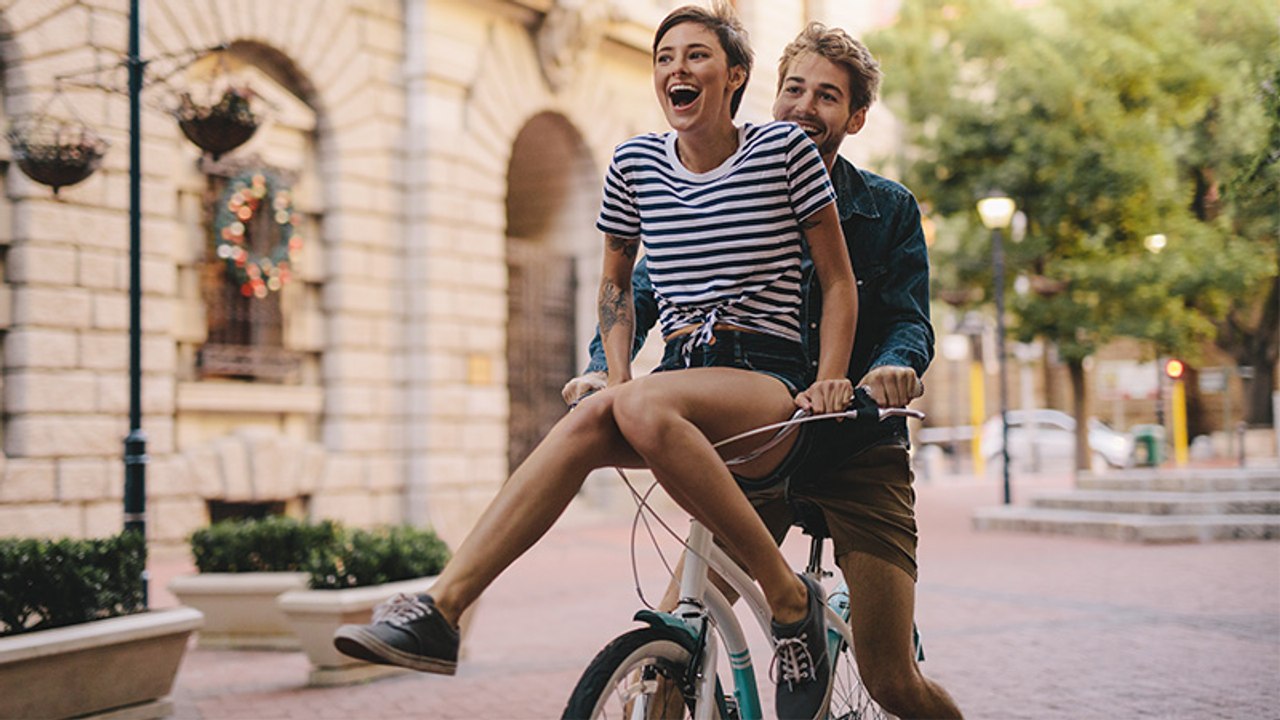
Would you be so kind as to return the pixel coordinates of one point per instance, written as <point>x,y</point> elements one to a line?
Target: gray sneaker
<point>801,667</point>
<point>407,631</point>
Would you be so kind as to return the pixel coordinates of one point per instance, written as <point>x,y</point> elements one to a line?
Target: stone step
<point>1128,527</point>
<point>1184,480</point>
<point>1150,502</point>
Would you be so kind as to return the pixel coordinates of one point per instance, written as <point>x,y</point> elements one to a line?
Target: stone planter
<point>240,610</point>
<point>122,666</point>
<point>316,614</point>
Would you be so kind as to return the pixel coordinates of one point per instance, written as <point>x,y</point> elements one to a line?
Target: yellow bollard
<point>977,411</point>
<point>1180,454</point>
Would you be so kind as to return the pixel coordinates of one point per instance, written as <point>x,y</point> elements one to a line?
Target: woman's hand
<point>826,396</point>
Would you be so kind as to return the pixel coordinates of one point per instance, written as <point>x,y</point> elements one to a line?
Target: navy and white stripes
<point>725,245</point>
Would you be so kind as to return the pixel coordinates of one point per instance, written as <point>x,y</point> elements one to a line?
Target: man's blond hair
<point>837,46</point>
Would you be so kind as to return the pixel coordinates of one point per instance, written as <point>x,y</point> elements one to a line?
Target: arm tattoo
<point>809,223</point>
<point>615,306</point>
<point>626,246</point>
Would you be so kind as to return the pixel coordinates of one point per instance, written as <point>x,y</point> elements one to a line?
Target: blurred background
<point>368,257</point>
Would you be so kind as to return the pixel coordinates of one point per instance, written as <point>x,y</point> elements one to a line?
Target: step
<point>1184,480</point>
<point>1150,502</point>
<point>1128,527</point>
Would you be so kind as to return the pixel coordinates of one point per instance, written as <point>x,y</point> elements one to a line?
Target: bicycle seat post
<point>814,568</point>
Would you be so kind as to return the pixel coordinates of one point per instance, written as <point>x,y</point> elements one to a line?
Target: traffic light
<point>1174,368</point>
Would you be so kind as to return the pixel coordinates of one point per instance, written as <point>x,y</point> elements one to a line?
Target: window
<point>246,201</point>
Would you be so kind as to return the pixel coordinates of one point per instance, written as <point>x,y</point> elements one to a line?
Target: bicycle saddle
<point>809,518</point>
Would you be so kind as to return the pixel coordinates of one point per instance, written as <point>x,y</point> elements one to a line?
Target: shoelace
<point>401,609</point>
<point>792,662</point>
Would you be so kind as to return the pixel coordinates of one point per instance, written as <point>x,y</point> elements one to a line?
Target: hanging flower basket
<point>221,127</point>
<point>54,152</point>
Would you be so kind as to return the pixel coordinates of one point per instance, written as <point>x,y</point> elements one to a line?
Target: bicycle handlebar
<point>802,417</point>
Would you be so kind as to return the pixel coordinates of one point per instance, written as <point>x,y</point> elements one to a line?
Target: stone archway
<point>552,191</point>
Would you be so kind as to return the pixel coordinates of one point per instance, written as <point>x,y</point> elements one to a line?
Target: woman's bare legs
<point>671,420</point>
<point>538,492</point>
<point>531,500</point>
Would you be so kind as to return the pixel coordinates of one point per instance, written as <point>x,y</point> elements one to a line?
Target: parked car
<point>1046,439</point>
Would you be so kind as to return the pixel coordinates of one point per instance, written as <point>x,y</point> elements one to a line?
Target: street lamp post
<point>997,213</point>
<point>135,444</point>
<point>1154,244</point>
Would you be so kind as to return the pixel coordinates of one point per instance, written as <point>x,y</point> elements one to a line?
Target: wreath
<point>246,195</point>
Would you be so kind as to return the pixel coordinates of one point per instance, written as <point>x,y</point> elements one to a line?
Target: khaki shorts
<point>868,502</point>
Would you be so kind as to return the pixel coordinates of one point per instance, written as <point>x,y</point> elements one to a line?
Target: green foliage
<point>364,557</point>
<point>1107,121</point>
<point>51,583</point>
<point>273,544</point>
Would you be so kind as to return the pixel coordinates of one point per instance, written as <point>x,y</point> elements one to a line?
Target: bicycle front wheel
<point>643,674</point>
<point>849,697</point>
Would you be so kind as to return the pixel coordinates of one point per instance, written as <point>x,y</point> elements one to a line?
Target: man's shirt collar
<point>852,194</point>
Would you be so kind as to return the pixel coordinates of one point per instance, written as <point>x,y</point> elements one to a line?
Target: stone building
<point>439,164</point>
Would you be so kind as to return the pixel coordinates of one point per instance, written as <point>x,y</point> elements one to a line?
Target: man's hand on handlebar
<point>892,386</point>
<point>583,385</point>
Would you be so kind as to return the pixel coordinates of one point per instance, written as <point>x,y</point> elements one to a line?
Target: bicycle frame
<point>700,600</point>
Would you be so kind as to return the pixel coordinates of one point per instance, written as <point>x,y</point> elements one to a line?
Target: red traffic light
<point>1174,368</point>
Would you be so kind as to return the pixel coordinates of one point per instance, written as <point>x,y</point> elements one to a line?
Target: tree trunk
<point>1080,408</point>
<point>1256,347</point>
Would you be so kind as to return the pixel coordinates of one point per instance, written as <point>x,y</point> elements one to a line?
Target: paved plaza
<point>1015,626</point>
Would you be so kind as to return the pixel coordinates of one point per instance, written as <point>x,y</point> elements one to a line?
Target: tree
<point>1093,115</point>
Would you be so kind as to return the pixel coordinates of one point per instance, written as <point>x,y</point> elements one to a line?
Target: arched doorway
<point>552,199</point>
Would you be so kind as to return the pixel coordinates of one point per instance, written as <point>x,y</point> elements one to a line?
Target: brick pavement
<point>1015,626</point>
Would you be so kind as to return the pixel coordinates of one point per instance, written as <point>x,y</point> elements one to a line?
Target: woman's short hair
<point>838,47</point>
<point>723,21</point>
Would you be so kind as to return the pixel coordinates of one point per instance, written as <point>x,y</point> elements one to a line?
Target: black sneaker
<point>407,631</point>
<point>801,667</point>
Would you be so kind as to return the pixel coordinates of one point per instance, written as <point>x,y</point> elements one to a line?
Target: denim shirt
<point>881,224</point>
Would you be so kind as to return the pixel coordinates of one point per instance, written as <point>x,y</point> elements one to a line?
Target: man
<point>859,478</point>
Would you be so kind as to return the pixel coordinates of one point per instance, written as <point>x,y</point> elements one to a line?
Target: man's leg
<point>869,505</point>
<point>882,606</point>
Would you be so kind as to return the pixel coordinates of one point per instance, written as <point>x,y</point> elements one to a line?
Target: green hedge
<point>50,583</point>
<point>372,557</point>
<point>273,544</point>
<point>335,557</point>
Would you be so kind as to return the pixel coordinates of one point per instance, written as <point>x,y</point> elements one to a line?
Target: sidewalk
<point>1015,626</point>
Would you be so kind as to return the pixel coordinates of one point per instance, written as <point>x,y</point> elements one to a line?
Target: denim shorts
<point>765,354</point>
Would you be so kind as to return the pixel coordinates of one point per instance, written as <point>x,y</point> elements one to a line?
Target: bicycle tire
<point>634,666</point>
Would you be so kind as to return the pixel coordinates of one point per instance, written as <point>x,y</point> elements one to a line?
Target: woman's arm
<point>831,390</point>
<point>615,306</point>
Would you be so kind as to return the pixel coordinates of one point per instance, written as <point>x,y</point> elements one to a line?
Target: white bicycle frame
<point>701,600</point>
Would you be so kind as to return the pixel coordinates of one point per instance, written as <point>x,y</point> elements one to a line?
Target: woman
<point>722,211</point>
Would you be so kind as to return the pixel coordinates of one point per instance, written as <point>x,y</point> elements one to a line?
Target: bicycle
<point>671,664</point>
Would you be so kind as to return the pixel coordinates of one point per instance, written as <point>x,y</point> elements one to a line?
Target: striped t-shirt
<point>723,246</point>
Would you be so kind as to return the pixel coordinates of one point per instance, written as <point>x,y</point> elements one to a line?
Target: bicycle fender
<point>654,618</point>
<point>667,620</point>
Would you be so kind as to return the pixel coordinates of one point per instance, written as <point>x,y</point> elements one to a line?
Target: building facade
<point>423,189</point>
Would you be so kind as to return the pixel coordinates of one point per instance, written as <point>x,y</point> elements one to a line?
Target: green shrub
<point>50,583</point>
<point>273,544</point>
<point>372,557</point>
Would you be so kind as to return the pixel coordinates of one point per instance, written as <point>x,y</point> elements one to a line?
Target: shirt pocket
<point>871,278</point>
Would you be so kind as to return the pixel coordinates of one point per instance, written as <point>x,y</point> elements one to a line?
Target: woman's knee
<point>642,416</point>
